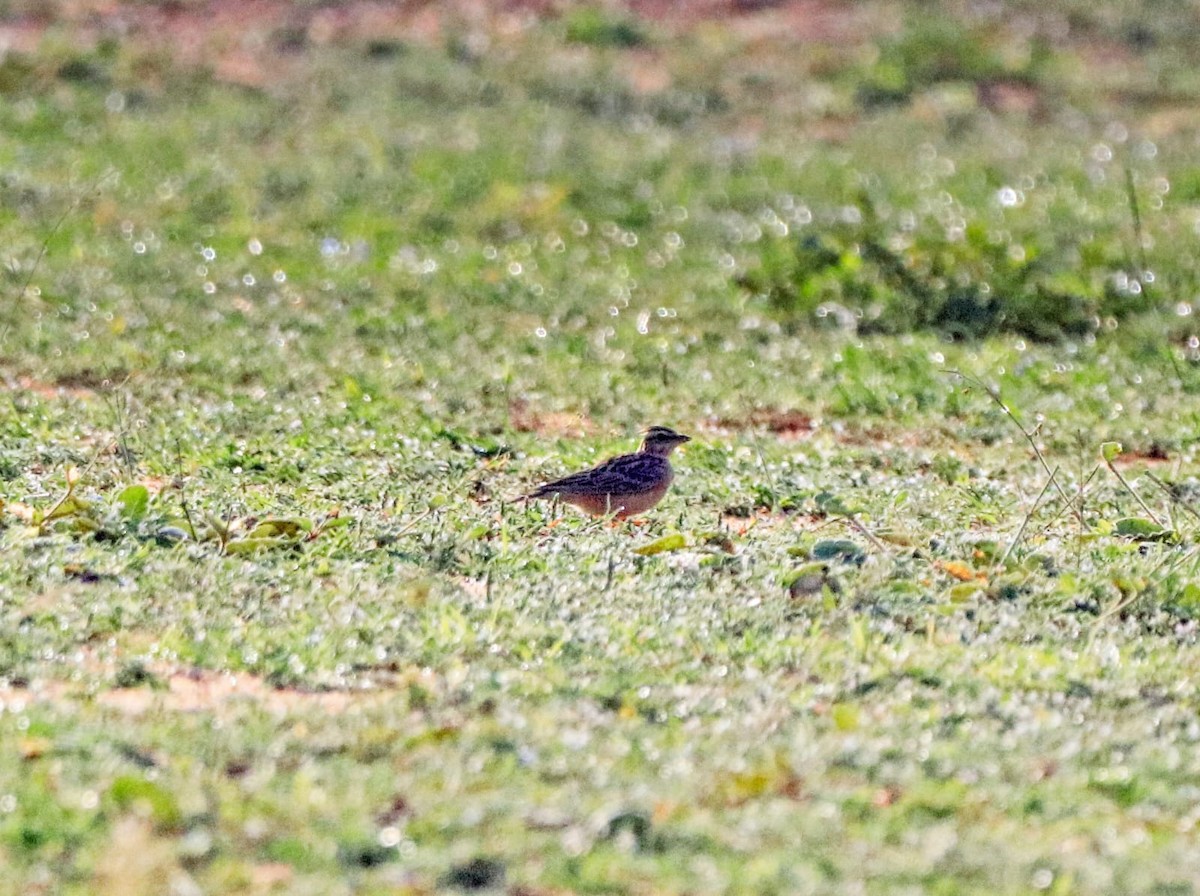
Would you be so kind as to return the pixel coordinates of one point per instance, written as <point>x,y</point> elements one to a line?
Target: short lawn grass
<point>293,315</point>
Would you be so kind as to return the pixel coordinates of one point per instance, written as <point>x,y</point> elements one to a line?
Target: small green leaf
<point>1110,451</point>
<point>809,579</point>
<point>841,550</point>
<point>170,535</point>
<point>71,506</point>
<point>1138,527</point>
<point>964,591</point>
<point>252,545</point>
<point>135,792</point>
<point>134,500</point>
<point>858,636</point>
<point>671,542</point>
<point>845,716</point>
<point>277,528</point>
<point>833,505</point>
<point>218,526</point>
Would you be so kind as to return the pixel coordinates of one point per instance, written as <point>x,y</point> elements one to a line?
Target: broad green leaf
<point>1138,527</point>
<point>134,500</point>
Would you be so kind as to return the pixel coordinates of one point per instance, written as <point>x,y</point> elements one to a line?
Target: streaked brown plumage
<point>626,485</point>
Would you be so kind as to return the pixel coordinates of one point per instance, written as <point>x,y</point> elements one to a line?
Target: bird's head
<point>662,440</point>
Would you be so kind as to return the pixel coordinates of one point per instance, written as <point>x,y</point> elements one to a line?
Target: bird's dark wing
<point>624,475</point>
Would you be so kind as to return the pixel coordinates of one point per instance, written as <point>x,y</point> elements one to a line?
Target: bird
<point>624,486</point>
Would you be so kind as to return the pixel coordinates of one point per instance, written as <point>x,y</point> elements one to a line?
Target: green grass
<point>271,620</point>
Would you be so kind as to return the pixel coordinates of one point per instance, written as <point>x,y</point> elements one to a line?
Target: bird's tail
<point>539,492</point>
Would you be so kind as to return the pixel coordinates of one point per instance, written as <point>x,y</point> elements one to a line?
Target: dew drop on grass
<point>1042,879</point>
<point>389,837</point>
<point>254,247</point>
<point>248,280</point>
<point>279,277</point>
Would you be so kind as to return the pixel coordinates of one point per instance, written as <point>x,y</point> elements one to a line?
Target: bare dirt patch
<point>786,424</point>
<point>49,390</point>
<point>250,42</point>
<point>522,417</point>
<point>193,690</point>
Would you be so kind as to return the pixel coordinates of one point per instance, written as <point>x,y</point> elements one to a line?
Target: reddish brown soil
<point>249,41</point>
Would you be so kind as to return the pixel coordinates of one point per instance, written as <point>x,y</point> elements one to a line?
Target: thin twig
<point>62,219</point>
<point>1129,488</point>
<point>1171,495</point>
<point>1063,509</point>
<point>762,464</point>
<point>867,533</point>
<point>48,517</point>
<point>1025,522</point>
<point>1029,435</point>
<point>187,514</point>
<point>412,523</point>
<point>1129,600</point>
<point>1136,211</point>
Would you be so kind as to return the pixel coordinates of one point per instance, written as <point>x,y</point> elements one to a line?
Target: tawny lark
<point>624,486</point>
